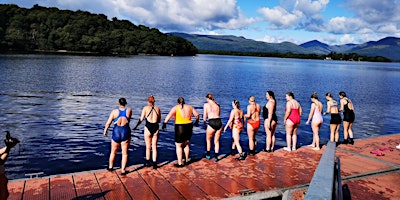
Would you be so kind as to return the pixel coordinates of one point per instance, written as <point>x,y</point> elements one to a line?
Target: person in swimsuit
<point>121,135</point>
<point>183,128</point>
<point>270,121</point>
<point>253,123</point>
<point>292,121</point>
<point>336,120</point>
<point>316,117</point>
<point>10,142</point>
<point>214,127</point>
<point>347,106</point>
<point>152,114</point>
<point>236,123</point>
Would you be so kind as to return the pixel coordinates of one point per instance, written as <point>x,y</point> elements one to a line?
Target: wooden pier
<point>265,175</point>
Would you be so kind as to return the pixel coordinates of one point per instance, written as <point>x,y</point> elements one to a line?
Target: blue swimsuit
<point>121,133</point>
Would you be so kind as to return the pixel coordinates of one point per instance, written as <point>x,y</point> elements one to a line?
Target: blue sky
<point>298,21</point>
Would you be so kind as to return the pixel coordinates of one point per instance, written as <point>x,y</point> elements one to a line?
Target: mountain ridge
<point>388,47</point>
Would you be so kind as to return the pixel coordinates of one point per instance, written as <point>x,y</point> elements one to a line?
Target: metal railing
<point>326,182</point>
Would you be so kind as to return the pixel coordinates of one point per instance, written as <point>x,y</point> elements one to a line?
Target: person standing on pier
<point>317,120</point>
<point>292,121</point>
<point>253,123</point>
<point>347,106</point>
<point>183,128</point>
<point>270,121</point>
<point>336,120</point>
<point>152,114</point>
<point>10,142</point>
<point>236,123</point>
<point>214,127</point>
<point>121,135</point>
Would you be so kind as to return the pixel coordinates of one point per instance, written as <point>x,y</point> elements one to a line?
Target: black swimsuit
<point>152,127</point>
<point>265,114</point>
<point>215,123</point>
<point>348,115</point>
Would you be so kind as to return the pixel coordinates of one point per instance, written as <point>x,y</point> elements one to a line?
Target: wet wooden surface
<point>366,175</point>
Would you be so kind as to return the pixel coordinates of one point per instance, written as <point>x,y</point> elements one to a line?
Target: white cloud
<point>344,25</point>
<point>279,18</point>
<point>346,39</point>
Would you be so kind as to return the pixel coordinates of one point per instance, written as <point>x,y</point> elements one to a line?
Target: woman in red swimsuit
<point>253,123</point>
<point>292,121</point>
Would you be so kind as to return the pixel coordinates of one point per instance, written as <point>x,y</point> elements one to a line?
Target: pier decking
<point>367,176</point>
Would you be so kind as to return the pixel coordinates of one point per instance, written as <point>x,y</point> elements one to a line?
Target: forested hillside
<point>51,29</point>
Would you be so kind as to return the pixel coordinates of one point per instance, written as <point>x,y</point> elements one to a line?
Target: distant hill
<point>388,47</point>
<point>51,30</point>
<point>239,44</point>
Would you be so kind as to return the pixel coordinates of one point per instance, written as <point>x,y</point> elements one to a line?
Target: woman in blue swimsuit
<point>121,135</point>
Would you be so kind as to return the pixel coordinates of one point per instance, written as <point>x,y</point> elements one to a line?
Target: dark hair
<point>181,101</point>
<point>314,95</point>
<point>329,95</point>
<point>290,94</point>
<point>122,101</point>
<point>210,96</point>
<point>252,98</point>
<point>271,94</point>
<point>343,94</point>
<point>237,104</point>
<point>151,99</point>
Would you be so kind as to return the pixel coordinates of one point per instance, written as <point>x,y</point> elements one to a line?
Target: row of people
<point>212,123</point>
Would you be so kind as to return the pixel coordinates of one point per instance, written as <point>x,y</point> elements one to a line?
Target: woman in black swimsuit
<point>152,114</point>
<point>346,105</point>
<point>214,128</point>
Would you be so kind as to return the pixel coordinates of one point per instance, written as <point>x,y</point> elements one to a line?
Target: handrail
<point>323,183</point>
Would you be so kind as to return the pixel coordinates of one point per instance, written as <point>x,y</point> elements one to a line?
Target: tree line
<point>330,56</point>
<point>51,29</point>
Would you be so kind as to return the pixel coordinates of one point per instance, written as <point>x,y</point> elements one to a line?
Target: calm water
<point>57,105</point>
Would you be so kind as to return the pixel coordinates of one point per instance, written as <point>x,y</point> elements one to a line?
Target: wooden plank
<point>62,187</point>
<point>184,185</point>
<point>137,187</point>
<point>37,189</point>
<point>161,187</point>
<point>87,187</point>
<point>15,189</point>
<point>111,185</point>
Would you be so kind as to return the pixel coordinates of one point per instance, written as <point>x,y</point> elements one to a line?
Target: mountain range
<point>388,47</point>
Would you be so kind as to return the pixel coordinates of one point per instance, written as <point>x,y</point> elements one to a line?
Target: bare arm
<point>287,113</point>
<point>312,110</point>
<point>231,116</point>
<point>108,123</point>
<point>205,113</point>
<point>342,102</point>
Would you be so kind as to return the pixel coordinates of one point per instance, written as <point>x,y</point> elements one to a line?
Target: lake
<point>57,105</point>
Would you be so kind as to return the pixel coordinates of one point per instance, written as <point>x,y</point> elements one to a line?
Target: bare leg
<point>147,140</point>
<point>332,136</point>
<point>124,149</point>
<point>186,149</point>
<point>315,128</point>
<point>345,130</point>
<point>209,135</point>
<point>154,143</point>
<point>289,133</point>
<point>350,130</point>
<point>294,136</point>
<point>236,140</point>
<point>179,152</point>
<point>216,140</point>
<point>337,132</point>
<point>250,134</point>
<point>114,149</point>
